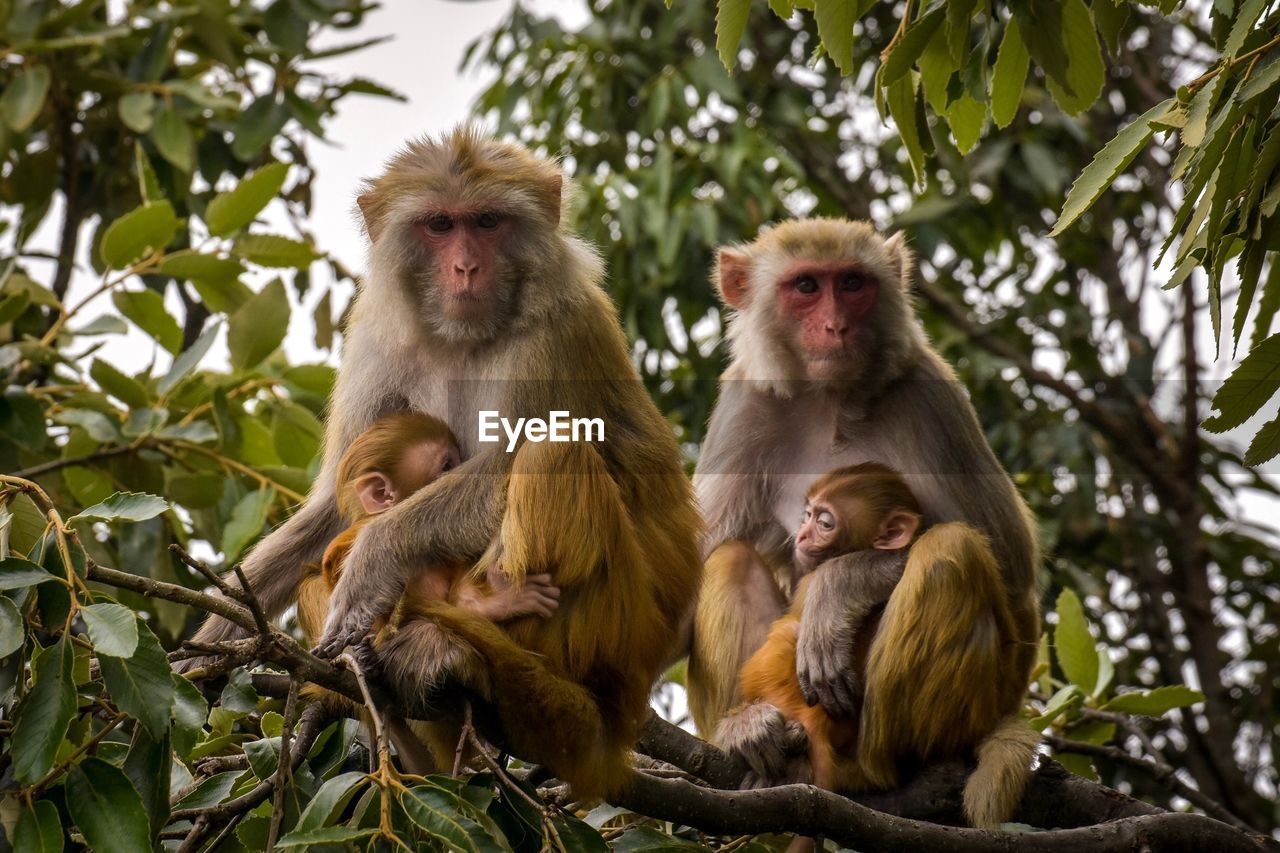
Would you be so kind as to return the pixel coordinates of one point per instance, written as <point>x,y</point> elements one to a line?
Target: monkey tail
<point>995,788</point>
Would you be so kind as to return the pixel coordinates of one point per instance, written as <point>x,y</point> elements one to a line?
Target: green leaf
<point>1111,161</point>
<point>24,97</point>
<point>442,815</point>
<point>123,387</point>
<point>966,116</point>
<point>330,800</point>
<point>113,628</point>
<point>731,23</point>
<point>44,714</point>
<point>912,45</point>
<point>646,839</point>
<point>1155,703</point>
<point>1075,647</point>
<point>16,573</point>
<point>137,111</point>
<point>259,327</point>
<point>174,140</point>
<point>39,829</point>
<point>1066,697</point>
<point>270,250</point>
<point>1086,71</point>
<point>147,310</point>
<point>1253,382</point>
<point>190,357</point>
<point>264,757</point>
<point>959,18</point>
<point>190,265</point>
<point>142,685</point>
<point>140,231</point>
<point>12,627</point>
<point>230,211</point>
<point>257,126</point>
<point>148,183</point>
<point>1246,17</point>
<point>99,427</point>
<point>902,101</point>
<point>1265,445</point>
<point>189,711</point>
<point>1198,112</point>
<point>238,696</point>
<point>1111,18</point>
<point>124,506</point>
<point>327,835</point>
<point>149,765</point>
<point>1009,76</point>
<point>213,790</point>
<point>105,805</point>
<point>835,19</point>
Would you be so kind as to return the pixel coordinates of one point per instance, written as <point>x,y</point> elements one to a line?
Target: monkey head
<point>419,465</point>
<point>820,300</point>
<point>468,228</point>
<point>853,509</point>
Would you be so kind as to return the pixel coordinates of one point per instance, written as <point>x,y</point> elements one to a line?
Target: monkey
<point>477,299</point>
<point>397,455</point>
<point>829,367</point>
<point>850,513</point>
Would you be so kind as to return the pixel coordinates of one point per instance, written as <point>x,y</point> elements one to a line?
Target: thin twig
<point>209,574</point>
<point>255,606</point>
<point>467,731</point>
<point>284,768</point>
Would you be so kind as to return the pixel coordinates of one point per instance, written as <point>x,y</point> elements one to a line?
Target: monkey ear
<point>365,201</point>
<point>897,530</point>
<point>901,255</point>
<point>733,272</point>
<point>376,492</point>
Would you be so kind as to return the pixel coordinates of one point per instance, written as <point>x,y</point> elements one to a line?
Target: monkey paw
<point>338,634</point>
<point>767,741</point>
<point>825,671</point>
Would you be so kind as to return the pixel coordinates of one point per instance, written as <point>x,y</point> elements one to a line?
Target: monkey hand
<point>824,655</point>
<point>773,747</point>
<point>367,589</point>
<point>536,596</point>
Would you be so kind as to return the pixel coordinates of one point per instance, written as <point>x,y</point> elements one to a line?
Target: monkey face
<point>827,307</point>
<point>425,463</point>
<point>825,532</point>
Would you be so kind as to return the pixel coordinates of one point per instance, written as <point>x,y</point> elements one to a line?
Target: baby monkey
<point>864,517</point>
<point>395,457</point>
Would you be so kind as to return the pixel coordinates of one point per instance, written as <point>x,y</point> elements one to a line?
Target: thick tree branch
<point>807,810</point>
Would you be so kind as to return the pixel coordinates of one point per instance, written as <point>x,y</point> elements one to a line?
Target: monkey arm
<point>835,601</point>
<point>454,518</point>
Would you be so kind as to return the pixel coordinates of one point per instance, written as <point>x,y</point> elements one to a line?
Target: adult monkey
<point>830,368</point>
<point>477,300</point>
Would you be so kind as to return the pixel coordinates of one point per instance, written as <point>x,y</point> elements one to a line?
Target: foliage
<point>1060,342</point>
<point>156,149</point>
<point>966,64</point>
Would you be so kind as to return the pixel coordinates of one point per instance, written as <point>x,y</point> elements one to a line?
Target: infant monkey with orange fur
<point>863,513</point>
<point>393,458</point>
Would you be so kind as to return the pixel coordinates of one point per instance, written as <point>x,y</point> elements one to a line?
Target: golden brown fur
<point>614,522</point>
<point>779,422</point>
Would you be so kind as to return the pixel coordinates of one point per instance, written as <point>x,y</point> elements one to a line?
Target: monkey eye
<point>488,220</point>
<point>852,282</point>
<point>439,223</point>
<point>826,521</point>
<point>806,284</point>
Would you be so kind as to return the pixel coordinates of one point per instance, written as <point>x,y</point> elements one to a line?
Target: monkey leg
<point>942,674</point>
<point>544,717</point>
<point>738,602</point>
